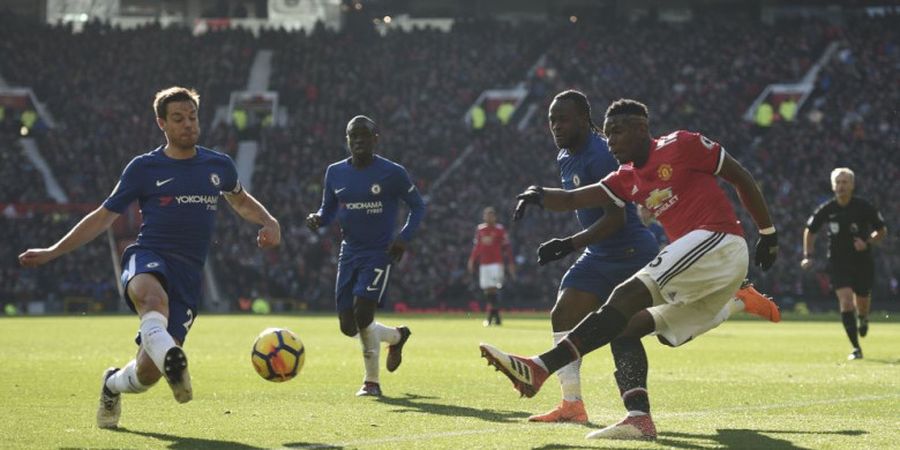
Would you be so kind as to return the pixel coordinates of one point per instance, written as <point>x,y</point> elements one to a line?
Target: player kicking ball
<point>688,289</point>
<point>178,188</point>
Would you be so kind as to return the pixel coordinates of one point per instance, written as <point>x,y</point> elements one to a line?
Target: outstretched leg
<point>596,330</point>
<point>571,307</point>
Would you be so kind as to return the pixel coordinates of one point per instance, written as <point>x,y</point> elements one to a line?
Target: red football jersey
<point>678,185</point>
<point>491,245</point>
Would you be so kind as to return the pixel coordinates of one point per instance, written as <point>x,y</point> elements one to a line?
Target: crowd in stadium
<point>418,86</point>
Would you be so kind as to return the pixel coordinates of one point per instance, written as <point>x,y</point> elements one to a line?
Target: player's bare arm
<point>748,191</point>
<point>253,211</point>
<point>753,200</point>
<point>96,222</point>
<point>809,243</point>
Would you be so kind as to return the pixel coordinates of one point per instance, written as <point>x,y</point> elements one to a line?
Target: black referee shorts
<point>856,274</point>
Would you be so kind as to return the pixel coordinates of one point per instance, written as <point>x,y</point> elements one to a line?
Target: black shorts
<point>855,274</point>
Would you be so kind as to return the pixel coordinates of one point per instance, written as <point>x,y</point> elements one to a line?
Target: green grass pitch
<point>746,384</point>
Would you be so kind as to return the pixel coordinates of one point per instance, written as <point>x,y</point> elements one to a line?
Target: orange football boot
<point>566,411</point>
<point>757,303</point>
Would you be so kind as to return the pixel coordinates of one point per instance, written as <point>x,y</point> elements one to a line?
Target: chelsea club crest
<point>376,189</point>
<point>214,179</point>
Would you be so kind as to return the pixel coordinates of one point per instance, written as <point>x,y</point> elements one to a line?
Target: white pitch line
<point>424,436</point>
<point>401,438</point>
<point>784,405</point>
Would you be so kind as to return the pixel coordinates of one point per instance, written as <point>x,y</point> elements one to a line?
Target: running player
<point>491,247</point>
<point>363,193</point>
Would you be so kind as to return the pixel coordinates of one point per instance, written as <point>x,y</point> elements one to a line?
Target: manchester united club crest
<point>214,179</point>
<point>576,180</point>
<point>376,189</point>
<point>664,172</point>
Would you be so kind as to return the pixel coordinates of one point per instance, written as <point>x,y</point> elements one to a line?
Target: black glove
<point>533,195</point>
<point>554,249</point>
<point>766,250</point>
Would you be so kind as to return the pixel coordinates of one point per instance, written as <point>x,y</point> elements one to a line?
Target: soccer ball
<point>278,354</point>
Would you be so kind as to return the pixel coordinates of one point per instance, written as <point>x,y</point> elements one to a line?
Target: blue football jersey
<point>365,202</point>
<point>589,166</point>
<point>178,200</point>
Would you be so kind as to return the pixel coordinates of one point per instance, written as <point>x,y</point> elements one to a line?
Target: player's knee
<point>363,312</point>
<point>152,302</point>
<point>562,318</point>
<point>630,297</point>
<point>348,326</point>
<point>364,318</point>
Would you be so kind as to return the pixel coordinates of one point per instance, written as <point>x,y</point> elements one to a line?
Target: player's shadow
<point>890,362</point>
<point>312,445</point>
<point>742,438</point>
<point>416,403</point>
<point>181,442</point>
<point>561,447</point>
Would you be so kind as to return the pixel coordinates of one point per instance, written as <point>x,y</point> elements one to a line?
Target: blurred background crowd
<point>419,85</point>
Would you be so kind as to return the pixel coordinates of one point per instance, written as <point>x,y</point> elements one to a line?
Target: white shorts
<point>692,280</point>
<point>491,276</point>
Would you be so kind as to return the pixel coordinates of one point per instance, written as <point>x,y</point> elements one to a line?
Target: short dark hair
<point>627,106</point>
<point>173,94</point>
<point>582,102</point>
<point>363,118</point>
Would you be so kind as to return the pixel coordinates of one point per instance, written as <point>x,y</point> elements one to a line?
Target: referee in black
<point>853,226</point>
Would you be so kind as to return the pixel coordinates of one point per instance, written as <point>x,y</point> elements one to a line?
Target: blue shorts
<point>599,275</point>
<point>180,280</point>
<point>365,276</point>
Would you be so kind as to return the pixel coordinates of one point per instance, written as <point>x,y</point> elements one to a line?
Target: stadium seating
<point>418,85</point>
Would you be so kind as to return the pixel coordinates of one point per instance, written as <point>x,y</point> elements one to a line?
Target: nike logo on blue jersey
<point>370,288</point>
<point>338,191</point>
<point>162,182</point>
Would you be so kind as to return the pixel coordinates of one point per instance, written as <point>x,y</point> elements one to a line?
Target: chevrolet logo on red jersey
<point>657,197</point>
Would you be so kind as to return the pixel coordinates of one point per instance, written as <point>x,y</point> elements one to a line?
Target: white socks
<point>155,339</point>
<point>390,335</point>
<point>126,380</point>
<point>734,305</point>
<point>371,349</point>
<point>570,374</point>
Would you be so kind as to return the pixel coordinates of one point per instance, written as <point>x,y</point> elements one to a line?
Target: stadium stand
<point>418,85</point>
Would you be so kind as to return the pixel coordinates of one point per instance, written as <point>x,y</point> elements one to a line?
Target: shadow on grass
<point>890,362</point>
<point>417,403</point>
<point>742,438</point>
<point>181,442</point>
<point>562,447</point>
<point>312,445</point>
